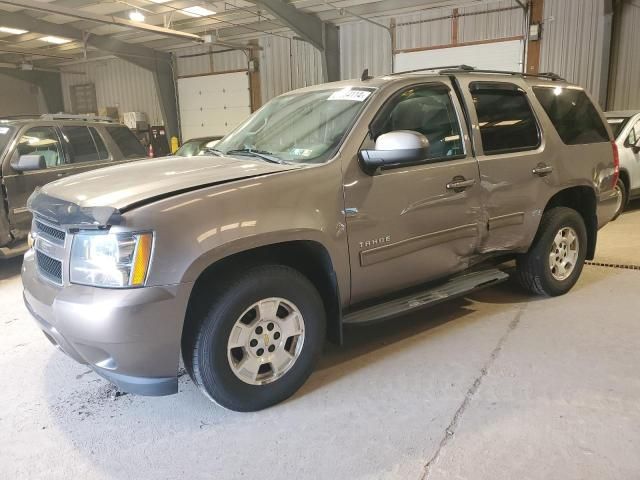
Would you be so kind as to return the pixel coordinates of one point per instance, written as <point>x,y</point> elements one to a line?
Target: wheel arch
<point>309,257</point>
<point>583,200</point>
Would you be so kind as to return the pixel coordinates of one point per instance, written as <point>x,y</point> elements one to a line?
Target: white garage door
<point>213,104</point>
<point>505,55</point>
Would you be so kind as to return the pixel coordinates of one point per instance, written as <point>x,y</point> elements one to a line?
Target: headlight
<point>110,260</point>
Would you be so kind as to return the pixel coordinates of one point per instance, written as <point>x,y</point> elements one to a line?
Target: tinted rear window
<point>82,148</point>
<point>507,123</point>
<point>572,113</point>
<point>127,142</point>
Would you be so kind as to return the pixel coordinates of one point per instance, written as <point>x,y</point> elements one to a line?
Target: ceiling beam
<point>106,19</point>
<point>305,25</point>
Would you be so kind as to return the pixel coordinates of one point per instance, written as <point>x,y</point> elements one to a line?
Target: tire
<point>624,197</point>
<point>534,270</point>
<point>275,297</point>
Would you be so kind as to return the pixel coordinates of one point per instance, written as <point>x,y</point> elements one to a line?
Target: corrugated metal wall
<point>118,84</point>
<point>572,39</point>
<point>419,32</point>
<point>490,21</point>
<point>625,85</point>
<point>364,45</point>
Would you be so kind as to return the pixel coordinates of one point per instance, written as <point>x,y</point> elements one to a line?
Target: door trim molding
<point>413,244</point>
<point>507,220</point>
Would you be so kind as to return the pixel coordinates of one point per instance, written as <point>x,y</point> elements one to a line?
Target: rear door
<point>36,140</point>
<point>85,148</point>
<point>516,167</point>
<point>407,225</point>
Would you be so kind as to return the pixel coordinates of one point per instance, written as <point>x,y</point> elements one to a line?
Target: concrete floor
<point>496,386</point>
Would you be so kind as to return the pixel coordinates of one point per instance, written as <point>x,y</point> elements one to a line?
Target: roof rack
<point>546,75</point>
<point>468,68</point>
<point>68,116</point>
<point>17,117</point>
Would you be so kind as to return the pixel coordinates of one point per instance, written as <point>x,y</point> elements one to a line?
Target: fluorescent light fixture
<point>56,40</point>
<point>197,11</point>
<point>136,16</point>
<point>159,1</point>
<point>13,31</point>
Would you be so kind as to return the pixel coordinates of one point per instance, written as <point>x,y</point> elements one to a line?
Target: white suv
<point>626,129</point>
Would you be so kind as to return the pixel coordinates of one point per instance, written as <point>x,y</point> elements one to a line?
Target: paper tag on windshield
<point>4,130</point>
<point>353,95</point>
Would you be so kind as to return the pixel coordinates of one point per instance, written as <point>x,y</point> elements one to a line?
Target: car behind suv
<point>626,130</point>
<point>333,205</point>
<point>38,150</point>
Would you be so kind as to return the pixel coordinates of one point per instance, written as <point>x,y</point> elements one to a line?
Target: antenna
<point>365,75</point>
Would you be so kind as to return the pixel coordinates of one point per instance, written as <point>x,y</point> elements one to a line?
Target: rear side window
<point>572,113</point>
<point>127,142</point>
<point>506,121</point>
<point>102,150</point>
<point>82,148</point>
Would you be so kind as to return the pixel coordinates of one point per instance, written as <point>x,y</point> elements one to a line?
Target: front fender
<point>196,229</point>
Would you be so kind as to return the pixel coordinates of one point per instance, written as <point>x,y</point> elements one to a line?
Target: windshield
<point>617,124</point>
<point>6,133</point>
<point>298,128</point>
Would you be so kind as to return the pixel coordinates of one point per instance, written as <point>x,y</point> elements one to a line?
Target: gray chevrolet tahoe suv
<point>35,150</point>
<point>337,204</point>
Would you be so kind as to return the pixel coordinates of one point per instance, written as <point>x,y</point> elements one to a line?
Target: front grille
<point>49,267</point>
<point>51,233</point>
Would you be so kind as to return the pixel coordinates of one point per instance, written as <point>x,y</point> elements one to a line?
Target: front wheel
<point>258,341</point>
<point>554,262</point>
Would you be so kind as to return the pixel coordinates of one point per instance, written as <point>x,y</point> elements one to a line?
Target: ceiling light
<point>197,11</point>
<point>136,16</point>
<point>159,1</point>
<point>56,40</point>
<point>13,31</point>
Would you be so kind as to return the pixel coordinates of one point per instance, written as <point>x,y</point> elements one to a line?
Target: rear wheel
<point>555,260</point>
<point>621,198</point>
<point>258,341</point>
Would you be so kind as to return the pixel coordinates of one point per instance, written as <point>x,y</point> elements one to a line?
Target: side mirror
<point>29,162</point>
<point>636,146</point>
<point>394,149</point>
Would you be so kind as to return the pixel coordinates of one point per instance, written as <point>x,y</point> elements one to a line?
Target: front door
<point>39,140</point>
<point>410,224</point>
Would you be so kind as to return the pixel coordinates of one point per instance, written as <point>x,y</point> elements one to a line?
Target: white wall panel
<point>118,84</point>
<point>625,87</point>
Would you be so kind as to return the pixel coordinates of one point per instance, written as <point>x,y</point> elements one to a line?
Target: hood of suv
<point>92,197</point>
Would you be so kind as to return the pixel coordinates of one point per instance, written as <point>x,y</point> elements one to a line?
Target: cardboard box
<point>132,119</point>
<point>111,112</point>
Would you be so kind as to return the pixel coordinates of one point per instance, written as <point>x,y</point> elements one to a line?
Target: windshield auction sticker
<point>348,94</point>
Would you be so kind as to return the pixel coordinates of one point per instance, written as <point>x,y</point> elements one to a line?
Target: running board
<point>452,288</point>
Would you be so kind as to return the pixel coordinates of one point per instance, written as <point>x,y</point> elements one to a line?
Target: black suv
<point>37,150</point>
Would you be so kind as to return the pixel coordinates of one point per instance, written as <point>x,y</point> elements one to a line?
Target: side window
<point>572,113</point>
<point>127,142</point>
<point>102,149</point>
<point>82,148</point>
<point>634,134</point>
<point>427,109</point>
<point>507,123</point>
<point>42,141</point>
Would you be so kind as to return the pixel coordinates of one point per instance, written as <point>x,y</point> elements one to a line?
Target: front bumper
<point>131,337</point>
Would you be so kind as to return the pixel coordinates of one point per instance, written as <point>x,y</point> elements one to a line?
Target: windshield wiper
<point>212,151</point>
<point>264,155</point>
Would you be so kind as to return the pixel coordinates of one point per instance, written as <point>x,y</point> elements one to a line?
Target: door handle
<point>459,184</point>
<point>542,170</point>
